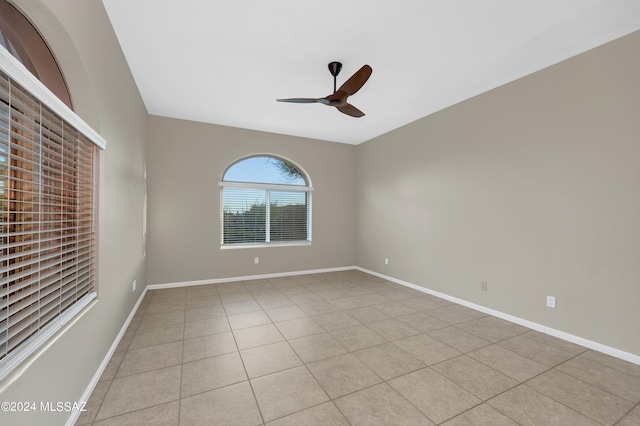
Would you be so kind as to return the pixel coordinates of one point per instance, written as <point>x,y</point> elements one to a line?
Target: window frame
<point>18,75</point>
<point>267,187</point>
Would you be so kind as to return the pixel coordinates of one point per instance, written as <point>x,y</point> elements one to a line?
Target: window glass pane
<point>264,170</point>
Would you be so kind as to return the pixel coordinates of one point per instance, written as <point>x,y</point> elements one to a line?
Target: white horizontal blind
<point>244,215</point>
<point>47,217</point>
<point>264,215</point>
<point>288,215</point>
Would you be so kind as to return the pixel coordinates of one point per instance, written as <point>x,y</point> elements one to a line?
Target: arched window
<point>266,200</point>
<point>25,43</point>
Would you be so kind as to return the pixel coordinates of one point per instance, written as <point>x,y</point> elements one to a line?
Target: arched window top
<point>20,38</point>
<point>266,169</point>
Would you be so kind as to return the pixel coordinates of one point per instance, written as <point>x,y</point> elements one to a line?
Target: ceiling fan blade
<point>301,100</point>
<point>350,110</point>
<point>357,80</point>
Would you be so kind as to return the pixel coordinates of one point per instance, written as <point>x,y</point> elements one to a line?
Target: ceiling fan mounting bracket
<point>334,68</point>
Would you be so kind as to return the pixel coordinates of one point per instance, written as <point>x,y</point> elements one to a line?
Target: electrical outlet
<point>551,301</point>
<point>134,285</point>
<point>483,285</point>
<point>256,260</point>
<point>386,261</point>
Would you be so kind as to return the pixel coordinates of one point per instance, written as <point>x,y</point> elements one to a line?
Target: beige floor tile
<point>161,319</point>
<point>433,394</point>
<point>528,407</point>
<point>493,329</point>
<point>300,327</point>
<point>159,415</point>
<point>228,406</point>
<point>481,415</point>
<point>285,313</point>
<point>359,301</point>
<point>367,314</point>
<point>396,293</point>
<point>93,404</point>
<point>211,373</point>
<point>335,320</point>
<point>394,309</point>
<point>451,314</point>
<point>358,337</point>
<point>167,306</point>
<point>257,336</point>
<point>631,419</point>
<point>233,308</point>
<point>269,359</point>
<point>168,295</point>
<point>458,339</point>
<point>614,381</point>
<point>318,308</point>
<point>426,349</point>
<point>286,392</point>
<point>424,303</point>
<point>482,381</point>
<point>332,294</point>
<point>615,363</point>
<point>208,346</point>
<point>555,342</point>
<point>343,374</point>
<point>204,327</point>
<point>150,388</point>
<point>157,336</point>
<point>388,360</point>
<point>321,415</point>
<point>249,319</point>
<point>587,399</point>
<point>316,347</point>
<point>539,352</point>
<point>236,296</point>
<point>203,301</point>
<point>392,329</point>
<point>380,405</point>
<point>293,289</point>
<point>306,297</point>
<point>198,291</point>
<point>422,321</point>
<point>112,366</point>
<point>150,358</point>
<point>204,312</point>
<point>508,362</point>
<point>273,301</point>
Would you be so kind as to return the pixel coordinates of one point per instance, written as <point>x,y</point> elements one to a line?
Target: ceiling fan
<point>339,97</point>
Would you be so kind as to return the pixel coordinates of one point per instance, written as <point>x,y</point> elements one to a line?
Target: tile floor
<point>347,348</point>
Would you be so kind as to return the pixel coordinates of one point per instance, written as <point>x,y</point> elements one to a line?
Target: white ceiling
<point>225,62</point>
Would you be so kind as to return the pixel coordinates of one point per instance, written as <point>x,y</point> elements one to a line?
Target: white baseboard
<point>247,278</point>
<point>96,377</point>
<point>617,353</point>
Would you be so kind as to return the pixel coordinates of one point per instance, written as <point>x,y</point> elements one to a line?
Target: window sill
<point>264,245</point>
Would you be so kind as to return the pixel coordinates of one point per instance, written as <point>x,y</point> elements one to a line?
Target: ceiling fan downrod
<point>334,69</point>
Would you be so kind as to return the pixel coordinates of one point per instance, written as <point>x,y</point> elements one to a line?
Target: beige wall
<point>186,161</point>
<point>533,187</point>
<point>104,95</point>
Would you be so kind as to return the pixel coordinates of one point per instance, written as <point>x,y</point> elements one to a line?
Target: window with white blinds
<point>265,200</point>
<point>47,218</point>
